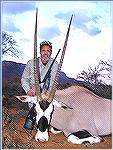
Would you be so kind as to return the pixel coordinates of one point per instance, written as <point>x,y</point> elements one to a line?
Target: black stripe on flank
<point>43,124</point>
<point>82,134</point>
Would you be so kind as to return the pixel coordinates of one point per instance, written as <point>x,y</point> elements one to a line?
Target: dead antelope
<point>76,111</point>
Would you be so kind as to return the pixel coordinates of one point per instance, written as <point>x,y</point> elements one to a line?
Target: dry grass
<point>14,136</point>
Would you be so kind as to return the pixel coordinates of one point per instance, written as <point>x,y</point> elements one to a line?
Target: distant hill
<point>12,70</point>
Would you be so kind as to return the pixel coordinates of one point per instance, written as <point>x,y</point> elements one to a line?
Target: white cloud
<point>90,37</point>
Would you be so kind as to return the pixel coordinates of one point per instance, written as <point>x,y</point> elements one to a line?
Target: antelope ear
<point>61,105</point>
<point>26,98</point>
<point>23,98</point>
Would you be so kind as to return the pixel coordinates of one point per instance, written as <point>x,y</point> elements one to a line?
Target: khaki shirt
<point>27,79</point>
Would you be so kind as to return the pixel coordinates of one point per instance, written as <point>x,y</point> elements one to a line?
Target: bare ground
<point>14,136</point>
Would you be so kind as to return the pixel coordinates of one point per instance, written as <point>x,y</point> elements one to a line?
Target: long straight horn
<point>53,90</point>
<point>36,62</point>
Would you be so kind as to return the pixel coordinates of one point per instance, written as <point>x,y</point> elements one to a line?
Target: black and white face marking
<point>43,124</point>
<point>44,110</point>
<point>44,105</point>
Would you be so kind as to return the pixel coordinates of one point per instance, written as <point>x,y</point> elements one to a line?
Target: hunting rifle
<point>49,70</point>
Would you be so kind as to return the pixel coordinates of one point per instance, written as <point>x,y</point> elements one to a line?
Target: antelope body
<point>74,109</point>
<point>89,112</point>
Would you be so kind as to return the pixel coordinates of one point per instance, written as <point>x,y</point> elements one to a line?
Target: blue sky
<point>90,38</point>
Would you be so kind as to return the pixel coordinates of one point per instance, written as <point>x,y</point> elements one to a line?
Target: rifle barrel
<point>49,70</point>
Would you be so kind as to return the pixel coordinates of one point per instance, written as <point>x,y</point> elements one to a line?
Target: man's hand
<point>32,91</point>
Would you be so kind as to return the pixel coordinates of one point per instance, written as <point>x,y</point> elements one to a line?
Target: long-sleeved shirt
<point>27,79</point>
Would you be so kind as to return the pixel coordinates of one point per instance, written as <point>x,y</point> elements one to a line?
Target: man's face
<point>45,53</point>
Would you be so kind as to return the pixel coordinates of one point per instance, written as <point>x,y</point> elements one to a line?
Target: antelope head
<point>44,106</point>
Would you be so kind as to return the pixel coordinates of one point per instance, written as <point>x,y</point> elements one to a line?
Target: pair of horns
<point>36,64</point>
